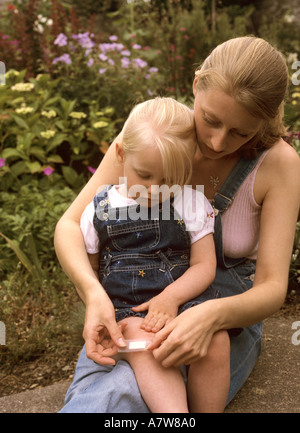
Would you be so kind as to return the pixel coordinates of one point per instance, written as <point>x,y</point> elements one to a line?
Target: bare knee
<point>219,349</point>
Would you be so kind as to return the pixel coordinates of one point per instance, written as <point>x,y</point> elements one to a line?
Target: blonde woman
<point>252,177</point>
<point>156,255</point>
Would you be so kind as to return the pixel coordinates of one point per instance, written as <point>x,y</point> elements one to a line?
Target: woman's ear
<point>119,152</point>
<point>195,85</point>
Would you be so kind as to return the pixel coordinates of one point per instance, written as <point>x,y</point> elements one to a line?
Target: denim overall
<point>106,389</point>
<point>235,276</point>
<point>140,257</point>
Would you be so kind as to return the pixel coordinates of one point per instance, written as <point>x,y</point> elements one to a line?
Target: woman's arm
<point>188,336</point>
<point>201,273</point>
<point>71,252</point>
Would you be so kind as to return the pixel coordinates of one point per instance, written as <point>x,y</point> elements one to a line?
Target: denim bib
<point>139,257</point>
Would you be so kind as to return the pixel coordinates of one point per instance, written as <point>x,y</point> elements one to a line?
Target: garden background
<point>73,72</point>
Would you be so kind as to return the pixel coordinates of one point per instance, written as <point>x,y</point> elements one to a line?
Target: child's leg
<point>209,378</point>
<point>163,389</point>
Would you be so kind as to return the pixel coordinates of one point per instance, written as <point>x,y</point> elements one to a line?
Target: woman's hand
<point>101,333</point>
<point>161,310</point>
<point>187,337</point>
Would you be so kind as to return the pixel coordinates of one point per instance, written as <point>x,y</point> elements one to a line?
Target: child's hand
<point>160,312</point>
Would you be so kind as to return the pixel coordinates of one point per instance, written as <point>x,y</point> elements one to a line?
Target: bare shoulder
<point>280,169</point>
<point>282,155</point>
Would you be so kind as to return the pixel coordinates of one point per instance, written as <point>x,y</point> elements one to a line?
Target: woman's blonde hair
<point>169,125</point>
<point>255,74</point>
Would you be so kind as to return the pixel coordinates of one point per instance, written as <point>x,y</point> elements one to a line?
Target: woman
<point>239,92</point>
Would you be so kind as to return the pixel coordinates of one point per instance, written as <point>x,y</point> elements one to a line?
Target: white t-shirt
<point>191,205</point>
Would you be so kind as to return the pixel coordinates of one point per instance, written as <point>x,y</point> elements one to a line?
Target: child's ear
<point>119,153</point>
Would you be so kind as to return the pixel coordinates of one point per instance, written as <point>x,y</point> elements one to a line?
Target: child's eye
<point>144,176</point>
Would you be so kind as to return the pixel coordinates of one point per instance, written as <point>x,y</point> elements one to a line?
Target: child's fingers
<point>154,323</point>
<point>141,307</point>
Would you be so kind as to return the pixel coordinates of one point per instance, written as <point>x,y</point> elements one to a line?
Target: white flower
<point>78,115</point>
<point>24,110</point>
<point>49,114</point>
<point>100,124</point>
<point>48,134</point>
<point>22,87</point>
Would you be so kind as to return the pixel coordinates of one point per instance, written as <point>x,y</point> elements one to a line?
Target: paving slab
<point>273,386</point>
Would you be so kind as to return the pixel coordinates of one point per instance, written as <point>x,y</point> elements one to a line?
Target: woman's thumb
<point>116,335</point>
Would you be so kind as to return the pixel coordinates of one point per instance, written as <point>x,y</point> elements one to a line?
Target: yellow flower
<point>100,124</point>
<point>48,134</point>
<point>11,73</point>
<point>22,87</point>
<point>78,115</point>
<point>24,110</point>
<point>49,114</point>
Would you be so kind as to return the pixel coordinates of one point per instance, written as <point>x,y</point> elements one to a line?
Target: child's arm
<point>94,261</point>
<point>201,273</point>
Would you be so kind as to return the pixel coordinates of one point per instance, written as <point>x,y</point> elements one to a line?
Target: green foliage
<point>27,221</point>
<point>41,130</point>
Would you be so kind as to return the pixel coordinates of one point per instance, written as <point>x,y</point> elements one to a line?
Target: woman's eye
<point>209,121</point>
<point>242,135</point>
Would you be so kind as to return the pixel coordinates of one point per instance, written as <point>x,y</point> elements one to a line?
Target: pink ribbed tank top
<point>241,222</point>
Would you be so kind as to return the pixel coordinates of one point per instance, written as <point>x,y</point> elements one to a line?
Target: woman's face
<point>222,125</point>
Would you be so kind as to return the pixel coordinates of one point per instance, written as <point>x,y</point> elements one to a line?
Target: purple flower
<point>2,162</point>
<point>153,69</point>
<point>84,40</point>
<point>64,58</point>
<point>125,53</point>
<point>48,171</point>
<point>61,40</point>
<point>111,62</point>
<point>90,62</point>
<point>136,46</point>
<point>125,62</point>
<point>141,63</point>
<point>102,57</point>
<point>91,169</point>
<point>113,38</point>
<point>102,70</point>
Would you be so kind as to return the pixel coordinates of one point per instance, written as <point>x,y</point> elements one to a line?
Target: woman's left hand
<point>186,338</point>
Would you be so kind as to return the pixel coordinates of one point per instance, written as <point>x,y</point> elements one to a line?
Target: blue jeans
<point>106,389</point>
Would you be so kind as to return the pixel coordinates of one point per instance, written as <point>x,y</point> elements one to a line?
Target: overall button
<point>105,216</point>
<point>102,203</point>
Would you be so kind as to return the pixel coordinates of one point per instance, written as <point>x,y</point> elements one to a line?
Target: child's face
<point>143,171</point>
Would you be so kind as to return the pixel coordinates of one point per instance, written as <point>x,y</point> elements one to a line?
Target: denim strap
<point>223,199</point>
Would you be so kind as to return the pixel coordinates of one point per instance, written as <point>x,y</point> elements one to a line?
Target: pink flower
<point>91,169</point>
<point>182,29</point>
<point>48,171</point>
<point>2,162</point>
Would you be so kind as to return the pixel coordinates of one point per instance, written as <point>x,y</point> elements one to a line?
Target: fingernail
<point>121,342</point>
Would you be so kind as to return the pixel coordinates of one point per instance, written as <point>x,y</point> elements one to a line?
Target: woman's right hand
<point>101,332</point>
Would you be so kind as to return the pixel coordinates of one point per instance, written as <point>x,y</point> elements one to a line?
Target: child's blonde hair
<point>255,74</point>
<point>169,125</point>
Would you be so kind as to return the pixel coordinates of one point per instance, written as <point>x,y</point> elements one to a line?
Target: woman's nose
<point>218,140</point>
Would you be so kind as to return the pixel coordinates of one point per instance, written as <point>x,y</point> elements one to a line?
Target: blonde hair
<point>169,125</point>
<point>255,74</point>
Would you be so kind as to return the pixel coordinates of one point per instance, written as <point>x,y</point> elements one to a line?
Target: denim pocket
<point>244,274</point>
<point>140,235</point>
